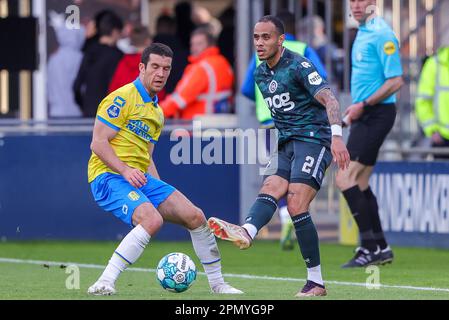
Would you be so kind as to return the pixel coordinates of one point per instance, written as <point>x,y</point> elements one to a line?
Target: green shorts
<point>300,162</point>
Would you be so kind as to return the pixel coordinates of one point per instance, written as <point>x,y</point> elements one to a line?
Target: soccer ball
<point>176,272</point>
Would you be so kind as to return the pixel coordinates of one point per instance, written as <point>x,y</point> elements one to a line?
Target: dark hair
<point>165,24</point>
<point>274,20</point>
<point>205,31</point>
<point>139,36</point>
<point>158,49</point>
<point>288,19</point>
<point>107,22</point>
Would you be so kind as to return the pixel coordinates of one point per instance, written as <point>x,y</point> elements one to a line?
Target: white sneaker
<point>102,288</point>
<point>230,232</point>
<point>225,288</point>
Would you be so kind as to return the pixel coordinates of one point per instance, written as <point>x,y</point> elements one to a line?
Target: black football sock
<point>307,239</point>
<point>262,211</point>
<point>358,205</point>
<point>375,219</point>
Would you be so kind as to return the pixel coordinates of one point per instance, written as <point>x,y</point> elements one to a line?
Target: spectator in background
<point>226,39</point>
<point>92,35</point>
<point>184,23</point>
<point>125,42</point>
<point>128,67</point>
<point>166,34</point>
<point>98,65</point>
<point>206,85</point>
<point>202,18</point>
<point>323,45</point>
<point>62,68</point>
<point>432,103</point>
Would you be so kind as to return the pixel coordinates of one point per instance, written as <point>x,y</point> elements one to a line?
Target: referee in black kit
<point>376,77</point>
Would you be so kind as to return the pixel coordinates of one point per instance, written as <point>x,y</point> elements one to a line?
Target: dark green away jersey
<point>289,89</point>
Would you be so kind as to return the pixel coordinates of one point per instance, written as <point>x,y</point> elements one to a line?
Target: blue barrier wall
<point>44,192</point>
<point>413,202</point>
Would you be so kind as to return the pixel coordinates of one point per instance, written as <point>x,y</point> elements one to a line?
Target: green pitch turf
<point>247,270</point>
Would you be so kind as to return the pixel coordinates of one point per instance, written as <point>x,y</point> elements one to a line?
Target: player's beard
<point>272,56</point>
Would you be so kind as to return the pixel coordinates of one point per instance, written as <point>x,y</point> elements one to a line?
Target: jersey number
<point>308,164</point>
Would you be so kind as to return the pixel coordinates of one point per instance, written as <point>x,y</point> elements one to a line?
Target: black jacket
<point>95,74</point>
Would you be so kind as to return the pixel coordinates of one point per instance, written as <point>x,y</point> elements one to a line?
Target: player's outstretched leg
<point>230,232</point>
<point>148,222</point>
<point>261,212</point>
<point>178,209</point>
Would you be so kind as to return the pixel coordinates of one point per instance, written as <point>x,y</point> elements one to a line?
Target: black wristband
<point>366,105</point>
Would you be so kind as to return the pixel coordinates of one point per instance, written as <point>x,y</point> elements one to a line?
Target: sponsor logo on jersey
<point>315,79</point>
<point>273,86</point>
<point>140,128</point>
<point>389,48</point>
<point>125,209</point>
<point>359,56</point>
<point>134,196</point>
<point>280,101</point>
<point>306,65</point>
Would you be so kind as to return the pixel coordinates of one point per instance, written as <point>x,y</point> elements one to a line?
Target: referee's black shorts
<point>369,132</point>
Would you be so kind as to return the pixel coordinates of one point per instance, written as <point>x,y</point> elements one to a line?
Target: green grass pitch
<point>263,272</point>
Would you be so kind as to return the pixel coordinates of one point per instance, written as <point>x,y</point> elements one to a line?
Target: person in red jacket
<point>206,84</point>
<point>128,67</point>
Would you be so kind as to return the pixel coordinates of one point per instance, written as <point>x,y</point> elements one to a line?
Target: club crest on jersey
<point>134,196</point>
<point>273,86</point>
<point>315,79</point>
<point>306,65</point>
<point>113,111</point>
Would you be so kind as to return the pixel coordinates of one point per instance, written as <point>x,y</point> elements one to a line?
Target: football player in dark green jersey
<point>307,116</point>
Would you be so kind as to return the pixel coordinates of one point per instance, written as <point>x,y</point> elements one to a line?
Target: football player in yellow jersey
<point>124,179</point>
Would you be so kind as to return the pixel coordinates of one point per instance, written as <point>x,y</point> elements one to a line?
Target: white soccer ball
<point>176,272</point>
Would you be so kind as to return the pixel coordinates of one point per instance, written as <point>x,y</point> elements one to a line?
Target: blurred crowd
<point>104,55</point>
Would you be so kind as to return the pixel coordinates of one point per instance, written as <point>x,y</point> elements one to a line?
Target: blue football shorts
<point>116,195</point>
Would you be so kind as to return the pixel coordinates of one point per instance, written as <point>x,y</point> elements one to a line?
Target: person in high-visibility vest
<point>206,84</point>
<point>432,101</point>
<point>251,91</point>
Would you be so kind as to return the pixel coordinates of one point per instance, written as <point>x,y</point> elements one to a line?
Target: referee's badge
<point>389,48</point>
<point>273,86</point>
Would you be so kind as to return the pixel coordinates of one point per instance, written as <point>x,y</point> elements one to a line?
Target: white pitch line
<point>230,275</point>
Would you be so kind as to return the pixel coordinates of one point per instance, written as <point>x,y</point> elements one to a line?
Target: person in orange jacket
<point>206,84</point>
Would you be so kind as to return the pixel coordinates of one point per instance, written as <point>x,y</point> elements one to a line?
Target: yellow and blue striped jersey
<point>138,120</point>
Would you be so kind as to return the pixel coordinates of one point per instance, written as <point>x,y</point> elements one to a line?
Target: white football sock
<point>284,216</point>
<point>314,274</point>
<point>127,253</point>
<point>252,230</point>
<point>206,249</point>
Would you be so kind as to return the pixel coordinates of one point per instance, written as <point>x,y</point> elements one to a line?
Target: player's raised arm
<point>338,148</point>
<point>100,145</point>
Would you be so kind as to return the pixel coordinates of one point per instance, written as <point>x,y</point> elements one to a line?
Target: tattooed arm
<point>338,148</point>
<point>327,99</point>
